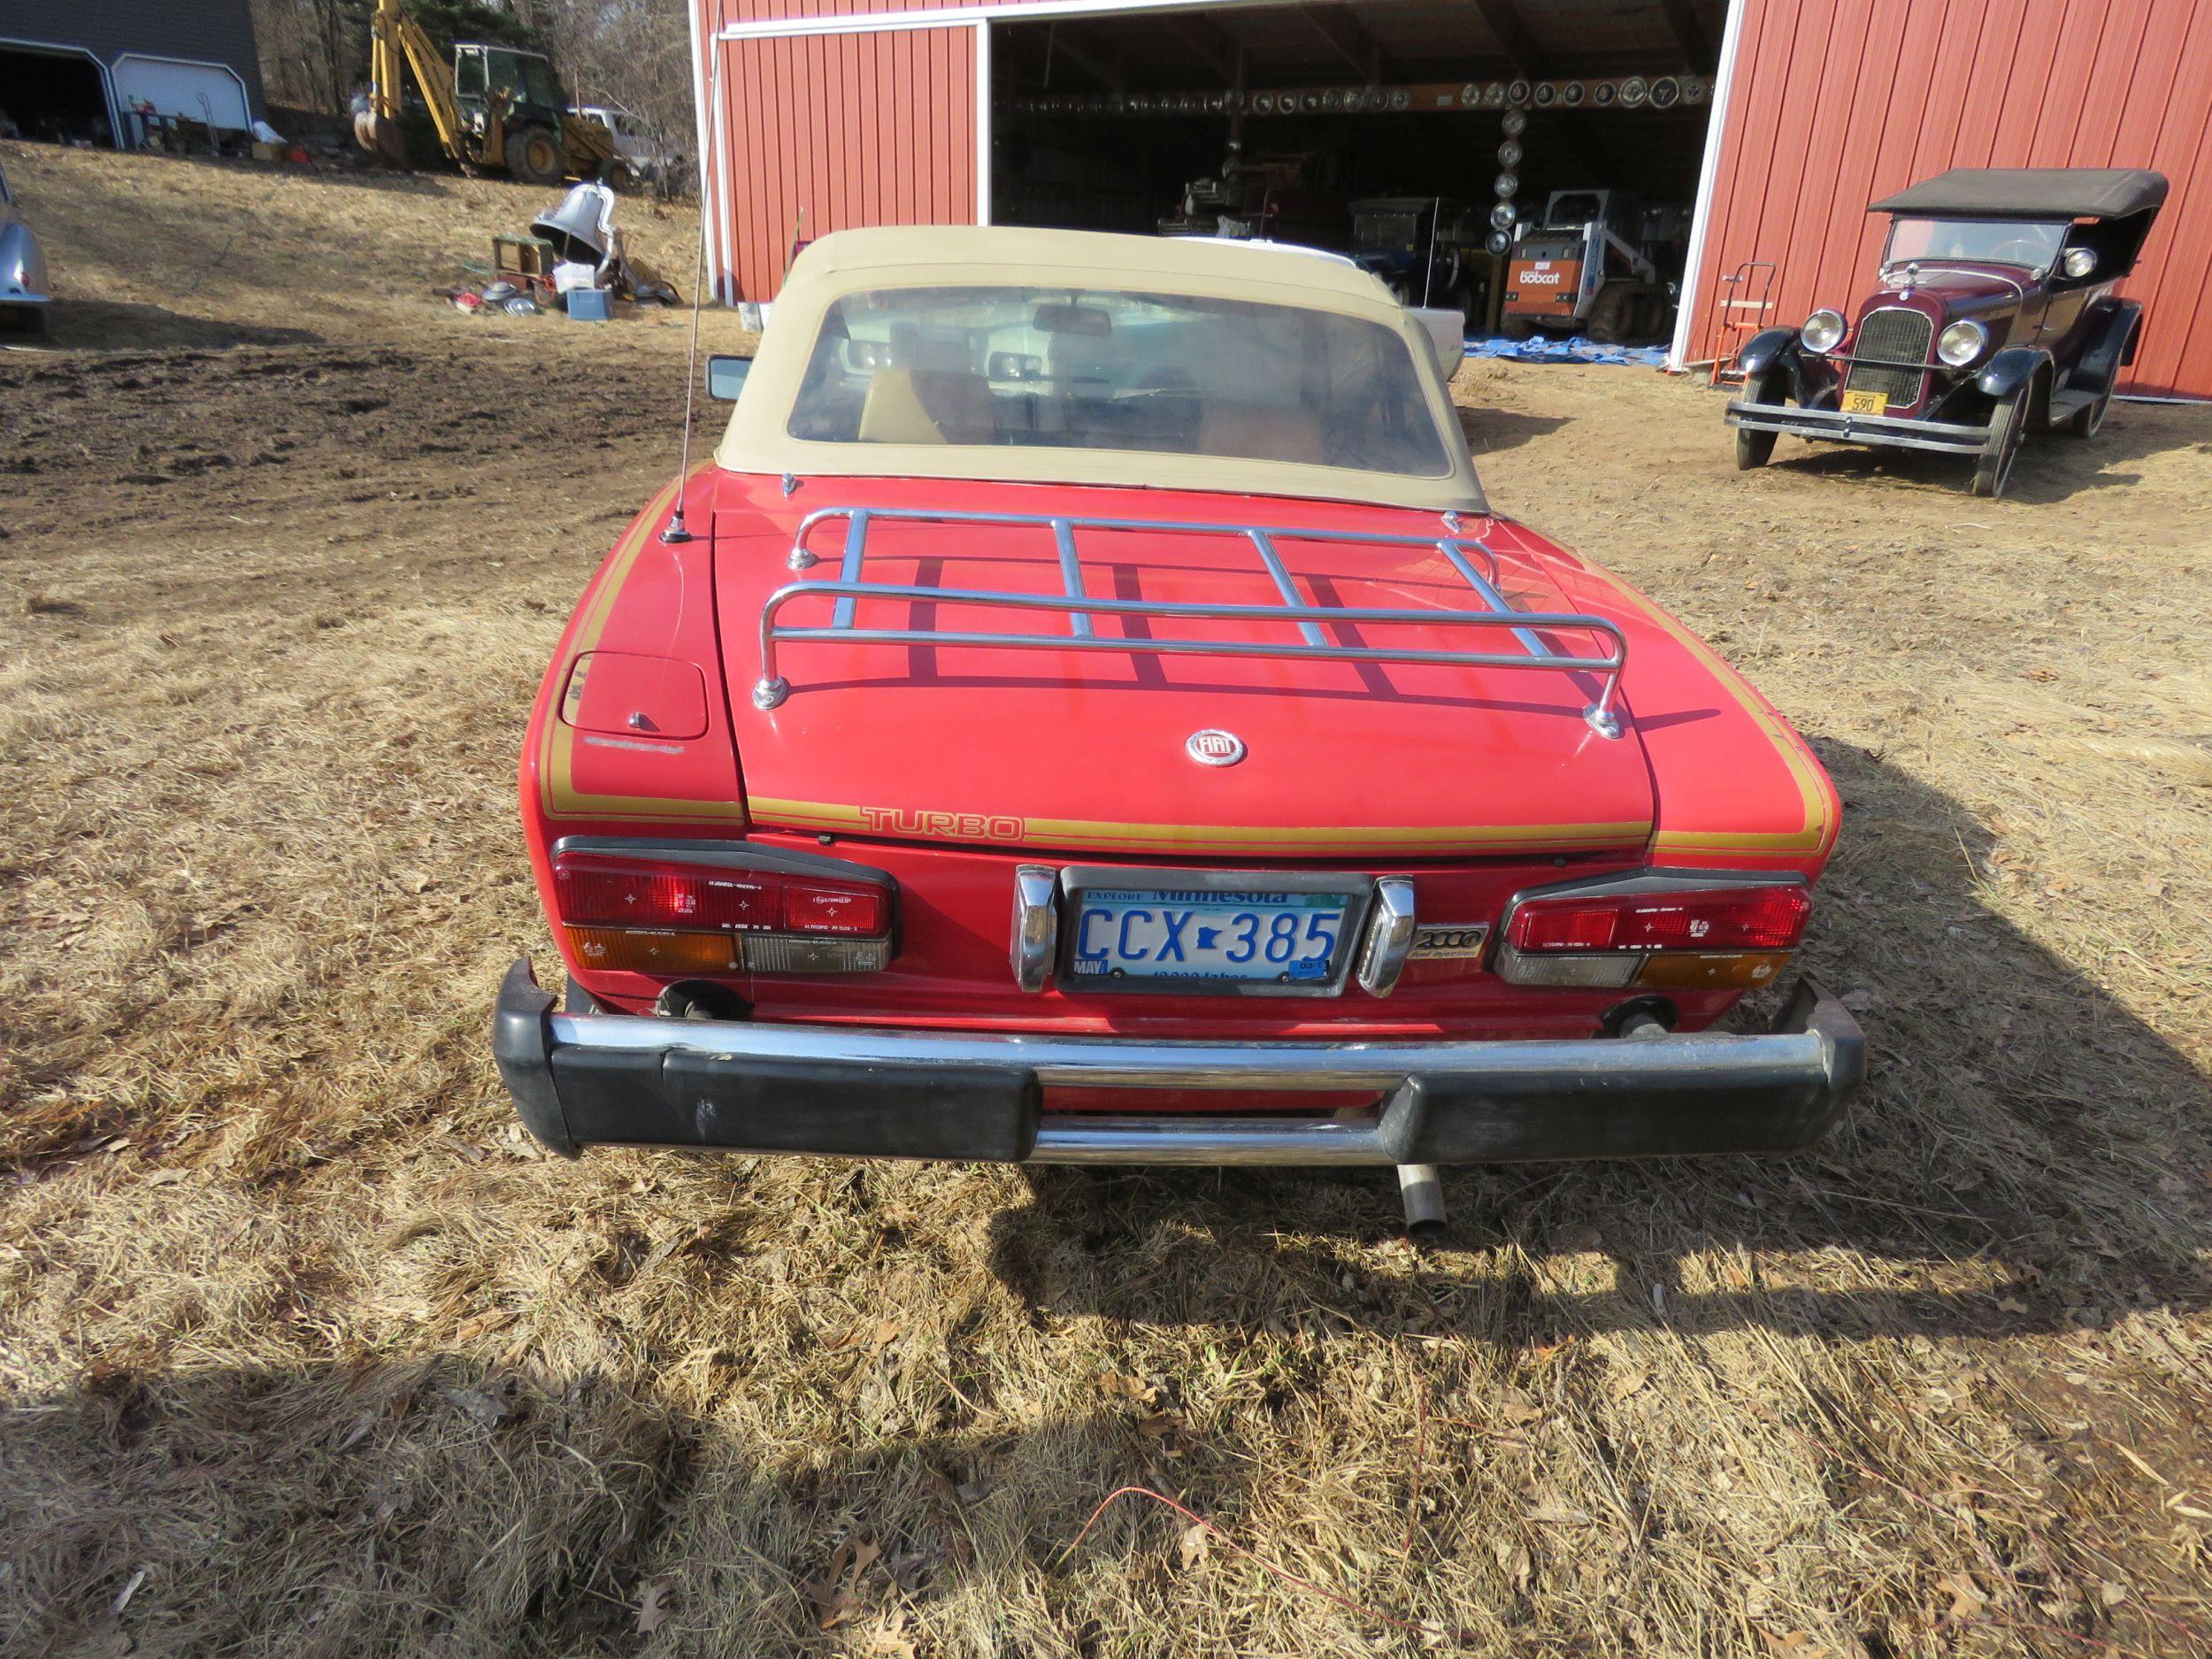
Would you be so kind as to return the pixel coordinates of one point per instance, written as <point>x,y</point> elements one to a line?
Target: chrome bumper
<point>580,1079</point>
<point>1897,430</point>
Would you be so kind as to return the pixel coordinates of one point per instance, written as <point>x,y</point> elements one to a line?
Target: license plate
<point>1248,935</point>
<point>1865,404</point>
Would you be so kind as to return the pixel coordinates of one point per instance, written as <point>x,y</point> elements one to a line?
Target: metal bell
<point>582,227</point>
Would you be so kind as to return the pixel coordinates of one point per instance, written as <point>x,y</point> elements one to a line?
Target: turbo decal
<point>891,820</point>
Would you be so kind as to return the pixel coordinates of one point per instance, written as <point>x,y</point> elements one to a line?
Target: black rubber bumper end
<point>522,1043</point>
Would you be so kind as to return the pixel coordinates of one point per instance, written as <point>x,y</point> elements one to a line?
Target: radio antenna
<point>677,531</point>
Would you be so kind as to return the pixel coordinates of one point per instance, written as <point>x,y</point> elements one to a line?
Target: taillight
<point>670,916</point>
<point>1654,934</point>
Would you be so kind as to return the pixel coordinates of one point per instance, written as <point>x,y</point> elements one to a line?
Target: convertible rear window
<point>1074,368</point>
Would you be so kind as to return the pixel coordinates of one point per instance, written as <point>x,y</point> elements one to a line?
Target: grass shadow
<point>113,325</point>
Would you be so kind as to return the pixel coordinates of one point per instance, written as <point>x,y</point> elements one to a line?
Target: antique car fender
<point>1767,348</point>
<point>2012,368</point>
<point>2112,348</point>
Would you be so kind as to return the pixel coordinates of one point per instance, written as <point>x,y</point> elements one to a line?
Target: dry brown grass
<point>304,1350</point>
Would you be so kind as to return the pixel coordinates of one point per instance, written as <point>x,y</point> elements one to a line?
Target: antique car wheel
<point>1754,449</point>
<point>2088,421</point>
<point>1993,473</point>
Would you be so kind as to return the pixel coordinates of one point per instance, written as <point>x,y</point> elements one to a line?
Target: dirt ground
<point>304,1350</point>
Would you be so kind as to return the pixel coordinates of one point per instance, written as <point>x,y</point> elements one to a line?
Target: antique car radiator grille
<point>1894,335</point>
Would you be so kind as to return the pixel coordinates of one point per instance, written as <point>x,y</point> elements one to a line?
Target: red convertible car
<point>1087,712</point>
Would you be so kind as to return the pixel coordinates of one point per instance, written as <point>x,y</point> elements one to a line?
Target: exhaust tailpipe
<point>1421,1189</point>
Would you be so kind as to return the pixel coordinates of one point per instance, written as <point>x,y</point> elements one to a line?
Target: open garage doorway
<point>54,94</point>
<point>1534,163</point>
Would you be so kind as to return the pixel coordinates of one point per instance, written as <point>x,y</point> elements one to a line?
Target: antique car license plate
<point>1865,404</point>
<point>1275,936</point>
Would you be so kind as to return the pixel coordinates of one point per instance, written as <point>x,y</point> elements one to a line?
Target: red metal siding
<point>828,131</point>
<point>821,133</point>
<point>1838,102</point>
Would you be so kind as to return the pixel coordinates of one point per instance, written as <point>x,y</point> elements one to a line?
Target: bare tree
<point>635,54</point>
<point>313,52</point>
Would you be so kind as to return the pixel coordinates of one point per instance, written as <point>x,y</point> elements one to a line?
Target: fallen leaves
<point>836,1594</point>
<point>1967,1597</point>
<point>1554,1513</point>
<point>652,1605</point>
<point>869,1337</point>
<point>484,1409</point>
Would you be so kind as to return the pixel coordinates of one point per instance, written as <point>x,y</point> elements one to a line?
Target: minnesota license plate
<point>1277,936</point>
<point>1865,404</point>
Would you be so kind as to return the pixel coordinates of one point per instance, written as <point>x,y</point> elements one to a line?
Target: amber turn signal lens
<point>649,950</point>
<point>1710,970</point>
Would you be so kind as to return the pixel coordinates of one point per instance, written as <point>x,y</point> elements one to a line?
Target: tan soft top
<point>956,256</point>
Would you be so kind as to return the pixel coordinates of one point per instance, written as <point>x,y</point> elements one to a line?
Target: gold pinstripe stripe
<point>1230,837</point>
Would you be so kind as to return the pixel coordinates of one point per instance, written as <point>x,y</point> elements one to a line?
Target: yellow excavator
<point>497,109</point>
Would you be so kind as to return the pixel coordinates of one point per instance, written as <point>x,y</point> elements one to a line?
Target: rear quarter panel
<point>1737,787</point>
<point>649,599</point>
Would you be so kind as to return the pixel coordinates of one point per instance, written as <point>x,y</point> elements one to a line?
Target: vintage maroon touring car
<point>1087,712</point>
<point>1995,318</point>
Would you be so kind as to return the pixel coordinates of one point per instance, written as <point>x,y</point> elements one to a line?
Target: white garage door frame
<point>980,18</point>
<point>54,48</point>
<point>161,60</point>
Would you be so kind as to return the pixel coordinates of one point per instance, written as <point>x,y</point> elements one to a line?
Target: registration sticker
<point>1865,404</point>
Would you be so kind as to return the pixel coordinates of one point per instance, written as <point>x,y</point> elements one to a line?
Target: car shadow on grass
<point>437,1504</point>
<point>1488,429</point>
<point>112,325</point>
<point>2051,467</point>
<point>2027,1155</point>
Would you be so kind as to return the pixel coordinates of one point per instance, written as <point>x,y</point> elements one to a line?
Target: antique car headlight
<point>1824,330</point>
<point>1961,343</point>
<point>2079,262</point>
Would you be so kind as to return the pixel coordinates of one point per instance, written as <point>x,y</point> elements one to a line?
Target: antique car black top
<point>1996,317</point>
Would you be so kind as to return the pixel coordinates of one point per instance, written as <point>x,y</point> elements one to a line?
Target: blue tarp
<point>1574,348</point>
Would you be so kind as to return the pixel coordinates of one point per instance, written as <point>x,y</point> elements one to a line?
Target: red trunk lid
<point>1085,750</point>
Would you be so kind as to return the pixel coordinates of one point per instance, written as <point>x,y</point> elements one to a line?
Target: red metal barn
<point>1780,120</point>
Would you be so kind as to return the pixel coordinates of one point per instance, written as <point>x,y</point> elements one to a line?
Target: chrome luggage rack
<point>1081,608</point>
